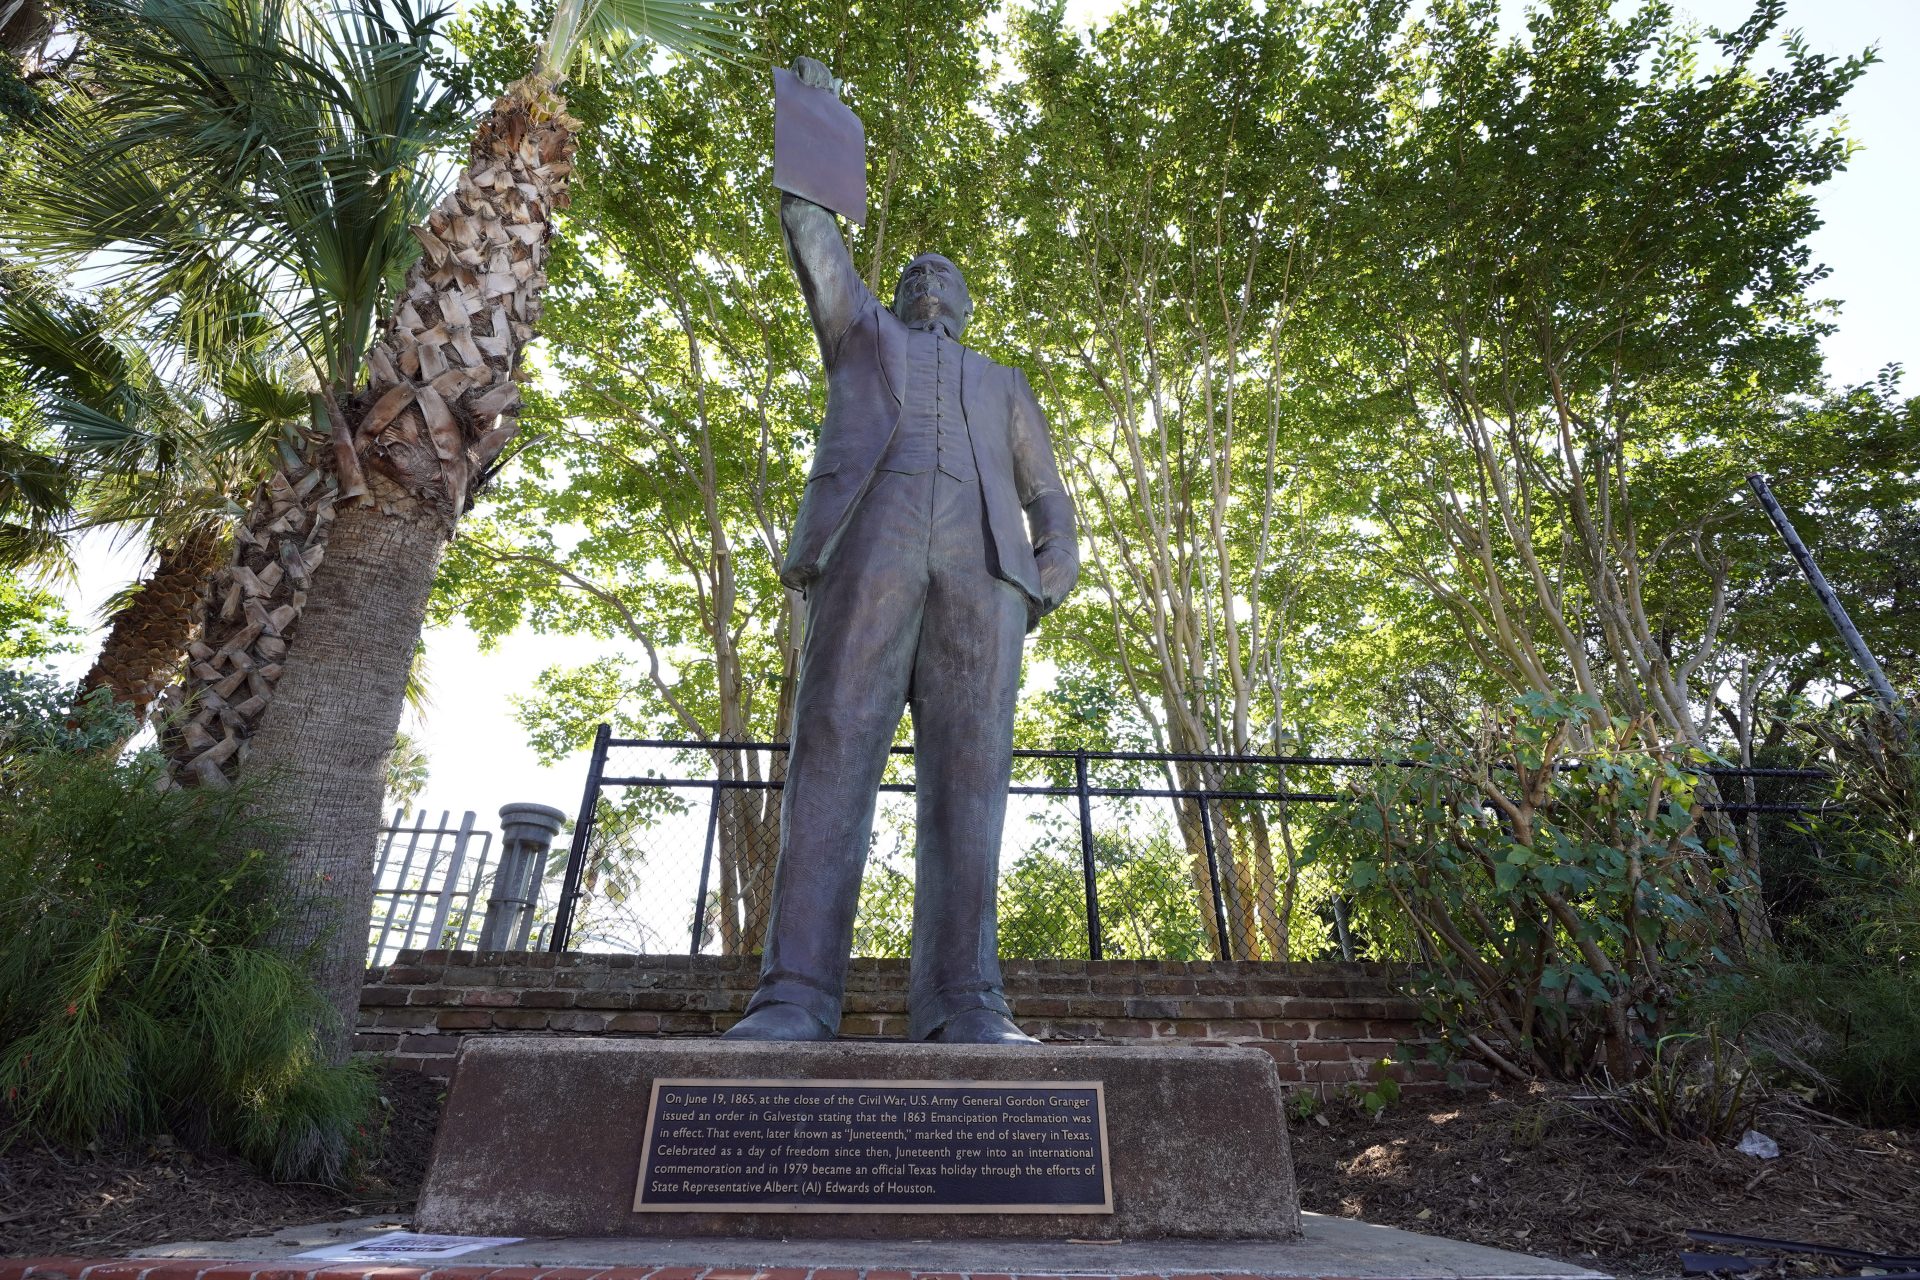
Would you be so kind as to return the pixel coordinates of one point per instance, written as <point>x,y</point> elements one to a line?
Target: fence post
<point>400,889</point>
<point>382,911</point>
<point>582,835</point>
<point>1213,878</point>
<point>706,866</point>
<point>460,927</point>
<point>1086,855</point>
<point>526,833</point>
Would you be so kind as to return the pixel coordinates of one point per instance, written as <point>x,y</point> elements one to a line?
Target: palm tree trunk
<point>148,636</point>
<point>248,611</point>
<point>321,750</point>
<point>324,659</point>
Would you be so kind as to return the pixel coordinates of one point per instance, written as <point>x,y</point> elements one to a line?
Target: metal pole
<point>582,834</point>
<point>1882,688</point>
<point>1340,927</point>
<point>400,884</point>
<point>381,862</point>
<point>706,867</point>
<point>1213,878</point>
<point>536,867</point>
<point>461,931</point>
<point>1086,856</point>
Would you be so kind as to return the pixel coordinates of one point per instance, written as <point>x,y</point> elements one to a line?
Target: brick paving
<point>290,1269</point>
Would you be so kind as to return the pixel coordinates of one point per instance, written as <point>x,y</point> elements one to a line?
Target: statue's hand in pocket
<point>1059,565</point>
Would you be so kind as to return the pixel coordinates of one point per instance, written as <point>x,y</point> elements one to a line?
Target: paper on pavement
<point>408,1244</point>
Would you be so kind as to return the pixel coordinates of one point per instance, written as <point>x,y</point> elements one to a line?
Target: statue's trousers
<point>907,612</point>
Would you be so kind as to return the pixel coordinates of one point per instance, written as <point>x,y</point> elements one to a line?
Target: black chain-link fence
<point>1106,855</point>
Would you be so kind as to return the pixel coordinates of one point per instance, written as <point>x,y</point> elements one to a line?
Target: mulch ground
<point>1529,1171</point>
<point>114,1200</point>
<point>1532,1171</point>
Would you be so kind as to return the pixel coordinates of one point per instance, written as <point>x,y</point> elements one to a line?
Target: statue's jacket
<point>864,346</point>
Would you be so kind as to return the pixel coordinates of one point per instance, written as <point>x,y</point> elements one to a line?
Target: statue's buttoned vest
<point>932,432</point>
<point>875,399</point>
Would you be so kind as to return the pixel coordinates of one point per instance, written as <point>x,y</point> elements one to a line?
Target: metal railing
<point>1157,854</point>
<point>426,881</point>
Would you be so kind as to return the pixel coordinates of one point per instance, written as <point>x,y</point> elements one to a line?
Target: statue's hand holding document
<point>819,145</point>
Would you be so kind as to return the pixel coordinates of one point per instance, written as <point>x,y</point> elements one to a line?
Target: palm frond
<point>160,510</point>
<point>95,385</point>
<point>127,448</point>
<point>419,689</point>
<point>59,346</point>
<point>615,30</point>
<point>168,242</point>
<point>35,486</point>
<point>43,548</point>
<point>254,165</point>
<point>117,601</point>
<point>88,430</point>
<point>264,392</point>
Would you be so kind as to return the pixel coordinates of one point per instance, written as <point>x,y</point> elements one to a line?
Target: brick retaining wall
<point>1324,1024</point>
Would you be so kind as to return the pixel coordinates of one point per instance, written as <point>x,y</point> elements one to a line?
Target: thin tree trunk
<point>1199,869</point>
<point>1275,901</point>
<point>148,637</point>
<point>727,904</point>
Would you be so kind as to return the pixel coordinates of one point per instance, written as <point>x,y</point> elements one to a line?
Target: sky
<point>479,756</point>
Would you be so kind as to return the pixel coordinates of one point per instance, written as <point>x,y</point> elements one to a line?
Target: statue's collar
<point>936,324</point>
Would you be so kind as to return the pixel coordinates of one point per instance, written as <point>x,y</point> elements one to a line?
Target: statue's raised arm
<point>834,291</point>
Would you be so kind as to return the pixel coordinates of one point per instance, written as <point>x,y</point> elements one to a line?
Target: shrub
<point>37,717</point>
<point>1560,901</point>
<point>1378,1091</point>
<point>1843,1031</point>
<point>138,992</point>
<point>1837,1013</point>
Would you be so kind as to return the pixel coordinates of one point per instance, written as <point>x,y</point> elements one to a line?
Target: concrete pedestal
<point>543,1137</point>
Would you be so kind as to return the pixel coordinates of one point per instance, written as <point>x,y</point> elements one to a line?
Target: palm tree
<point>244,171</point>
<point>36,496</point>
<point>154,455</point>
<point>261,147</point>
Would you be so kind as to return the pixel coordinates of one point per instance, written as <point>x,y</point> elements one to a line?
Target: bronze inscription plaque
<point>875,1146</point>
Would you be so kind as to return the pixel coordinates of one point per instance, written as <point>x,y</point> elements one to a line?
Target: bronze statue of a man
<point>912,546</point>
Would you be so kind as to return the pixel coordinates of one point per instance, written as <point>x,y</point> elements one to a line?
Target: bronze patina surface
<point>819,147</point>
<point>933,535</point>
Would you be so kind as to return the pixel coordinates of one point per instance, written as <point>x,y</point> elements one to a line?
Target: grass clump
<point>1839,1031</point>
<point>1836,1015</point>
<point>139,992</point>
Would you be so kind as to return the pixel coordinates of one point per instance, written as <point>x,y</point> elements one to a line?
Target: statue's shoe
<point>778,1021</point>
<point>980,1026</point>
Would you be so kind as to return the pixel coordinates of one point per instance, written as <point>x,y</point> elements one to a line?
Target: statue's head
<point>931,290</point>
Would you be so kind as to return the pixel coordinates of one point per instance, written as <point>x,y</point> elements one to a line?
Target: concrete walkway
<point>1332,1249</point>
